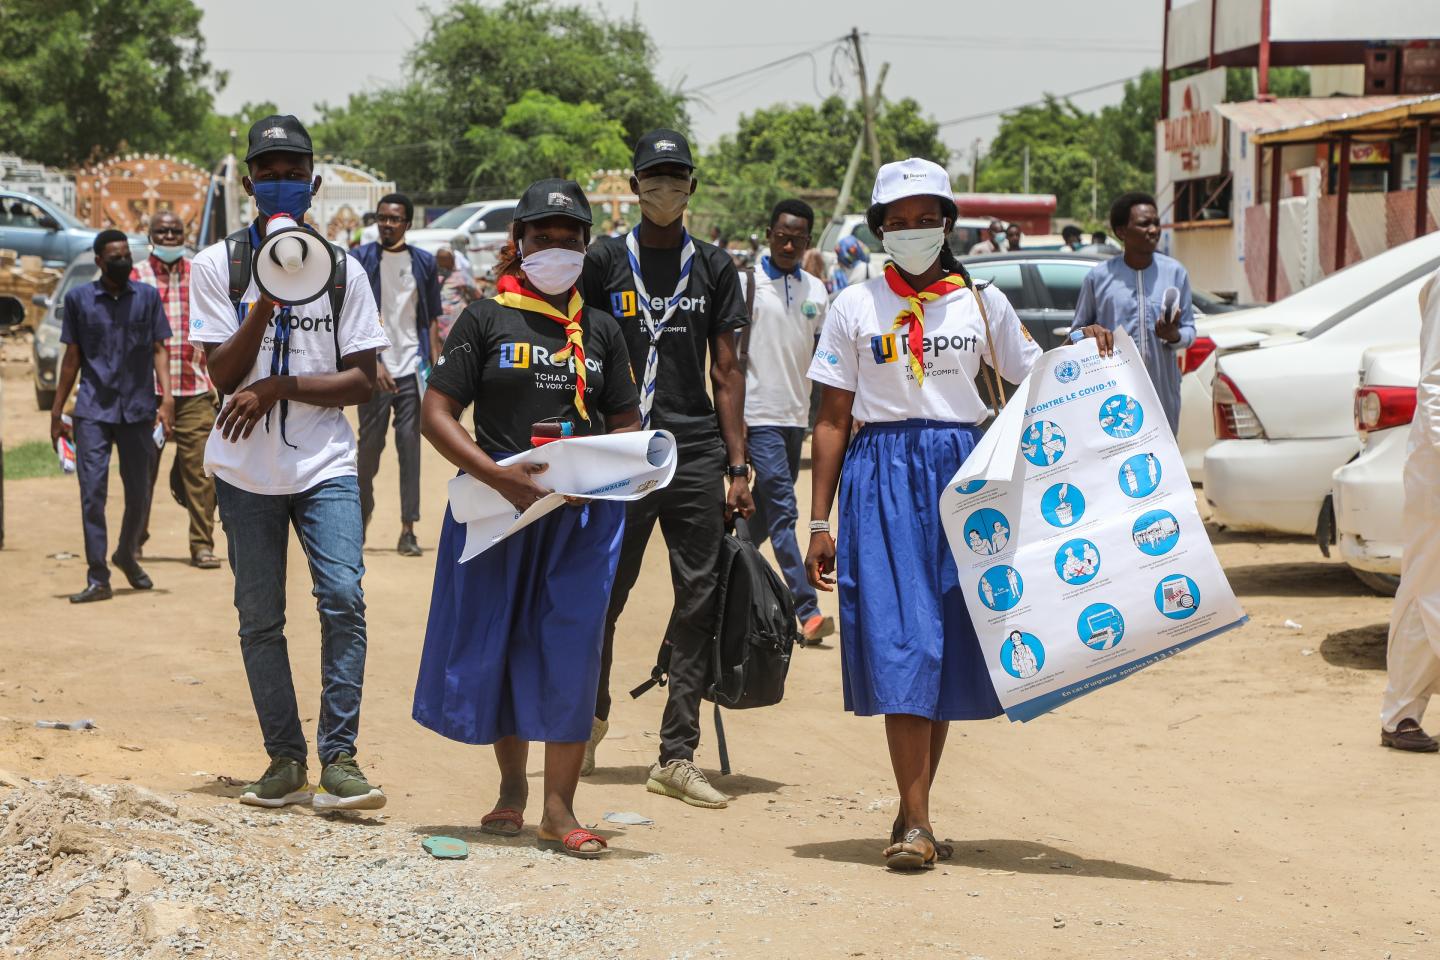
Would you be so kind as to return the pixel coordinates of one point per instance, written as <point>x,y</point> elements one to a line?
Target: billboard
<point>1192,141</point>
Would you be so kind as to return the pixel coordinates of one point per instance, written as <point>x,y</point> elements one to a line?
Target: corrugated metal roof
<point>1299,112</point>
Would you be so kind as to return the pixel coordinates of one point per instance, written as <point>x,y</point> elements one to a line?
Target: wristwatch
<point>738,470</point>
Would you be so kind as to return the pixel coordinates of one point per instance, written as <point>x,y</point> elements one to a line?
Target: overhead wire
<point>1035,103</point>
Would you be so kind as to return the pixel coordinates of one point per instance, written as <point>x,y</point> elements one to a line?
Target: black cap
<point>277,133</point>
<point>553,198</point>
<point>662,146</point>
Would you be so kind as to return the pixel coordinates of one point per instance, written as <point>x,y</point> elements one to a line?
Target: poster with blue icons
<point>1076,536</point>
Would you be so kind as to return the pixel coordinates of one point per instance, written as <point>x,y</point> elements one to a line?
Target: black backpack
<point>755,632</point>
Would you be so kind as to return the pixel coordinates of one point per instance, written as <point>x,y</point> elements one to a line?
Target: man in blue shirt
<point>1132,292</point>
<point>115,333</point>
<point>406,285</point>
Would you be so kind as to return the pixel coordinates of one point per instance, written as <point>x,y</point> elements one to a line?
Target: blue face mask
<point>168,254</point>
<point>282,196</point>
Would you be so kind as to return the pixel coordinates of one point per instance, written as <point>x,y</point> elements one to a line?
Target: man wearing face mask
<point>283,458</point>
<point>114,332</point>
<point>678,301</point>
<point>406,285</point>
<point>167,269</point>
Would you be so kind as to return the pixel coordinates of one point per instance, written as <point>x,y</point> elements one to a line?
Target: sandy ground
<point>1231,802</point>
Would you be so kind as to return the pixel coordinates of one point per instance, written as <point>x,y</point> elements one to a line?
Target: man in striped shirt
<point>167,269</point>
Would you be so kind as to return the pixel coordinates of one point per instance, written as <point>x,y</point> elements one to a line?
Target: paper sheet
<point>1076,535</point>
<point>618,466</point>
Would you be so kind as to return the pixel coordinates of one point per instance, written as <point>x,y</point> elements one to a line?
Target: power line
<point>1035,103</point>
<point>764,66</point>
<point>1011,43</point>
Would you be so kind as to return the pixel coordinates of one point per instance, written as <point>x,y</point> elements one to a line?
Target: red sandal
<point>490,822</point>
<point>574,840</point>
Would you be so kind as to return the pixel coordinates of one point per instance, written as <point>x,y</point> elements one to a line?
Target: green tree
<point>781,150</point>
<point>476,61</point>
<point>543,136</point>
<point>83,79</point>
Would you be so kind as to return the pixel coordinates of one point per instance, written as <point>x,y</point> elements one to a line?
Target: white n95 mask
<point>553,270</point>
<point>914,250</point>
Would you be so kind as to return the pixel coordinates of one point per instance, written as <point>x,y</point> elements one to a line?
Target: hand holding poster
<point>1076,536</point>
<point>617,466</point>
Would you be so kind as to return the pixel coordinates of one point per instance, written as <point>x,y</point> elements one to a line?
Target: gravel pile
<point>118,872</point>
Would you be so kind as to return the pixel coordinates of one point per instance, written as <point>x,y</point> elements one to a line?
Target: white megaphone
<point>293,264</point>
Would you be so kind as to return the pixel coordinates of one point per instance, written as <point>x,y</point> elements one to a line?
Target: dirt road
<point>1232,802</point>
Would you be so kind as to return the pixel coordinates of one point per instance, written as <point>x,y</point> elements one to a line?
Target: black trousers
<point>691,514</point>
<point>374,424</point>
<point>94,440</point>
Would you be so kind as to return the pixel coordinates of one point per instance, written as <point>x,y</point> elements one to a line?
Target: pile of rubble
<point>101,871</point>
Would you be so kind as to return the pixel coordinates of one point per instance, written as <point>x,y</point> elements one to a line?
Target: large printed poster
<point>1076,535</point>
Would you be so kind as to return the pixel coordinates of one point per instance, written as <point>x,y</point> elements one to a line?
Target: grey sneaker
<point>344,787</point>
<point>285,782</point>
<point>683,780</point>
<point>598,729</point>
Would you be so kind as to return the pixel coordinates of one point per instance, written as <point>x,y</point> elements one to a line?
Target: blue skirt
<point>906,642</point>
<point>512,647</point>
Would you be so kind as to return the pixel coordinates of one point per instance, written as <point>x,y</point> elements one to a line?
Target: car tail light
<point>1234,420</point>
<point>1378,408</point>
<point>1196,353</point>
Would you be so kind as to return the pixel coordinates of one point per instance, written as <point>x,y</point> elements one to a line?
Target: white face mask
<point>553,270</point>
<point>914,251</point>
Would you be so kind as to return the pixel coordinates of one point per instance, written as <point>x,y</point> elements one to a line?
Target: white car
<point>1284,414</point>
<point>485,222</point>
<point>1369,491</point>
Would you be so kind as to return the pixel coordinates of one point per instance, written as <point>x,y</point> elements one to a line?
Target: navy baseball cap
<point>662,146</point>
<point>553,198</point>
<point>278,133</point>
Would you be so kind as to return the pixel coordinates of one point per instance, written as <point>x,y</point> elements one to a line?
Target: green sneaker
<point>344,787</point>
<point>285,782</point>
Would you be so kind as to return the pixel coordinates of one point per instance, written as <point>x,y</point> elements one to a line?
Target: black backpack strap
<point>659,674</point>
<point>337,297</point>
<point>744,338</point>
<point>720,743</point>
<point>239,255</point>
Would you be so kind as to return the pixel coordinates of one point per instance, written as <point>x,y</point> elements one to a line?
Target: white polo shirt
<point>860,350</point>
<point>321,445</point>
<point>788,313</point>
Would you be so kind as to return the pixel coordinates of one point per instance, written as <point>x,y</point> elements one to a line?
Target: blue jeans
<point>775,456</point>
<point>257,528</point>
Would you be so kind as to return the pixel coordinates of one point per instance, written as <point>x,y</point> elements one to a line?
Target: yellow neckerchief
<point>510,292</point>
<point>914,312</point>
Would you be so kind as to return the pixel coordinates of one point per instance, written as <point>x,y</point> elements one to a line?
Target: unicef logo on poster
<point>1067,371</point>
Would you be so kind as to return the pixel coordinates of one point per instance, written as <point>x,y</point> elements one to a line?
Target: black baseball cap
<point>662,146</point>
<point>553,197</point>
<point>278,133</point>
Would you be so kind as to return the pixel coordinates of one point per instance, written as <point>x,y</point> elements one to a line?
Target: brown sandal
<point>908,855</point>
<point>943,850</point>
<point>492,822</point>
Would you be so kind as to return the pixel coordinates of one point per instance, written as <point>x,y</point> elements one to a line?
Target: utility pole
<point>867,102</point>
<point>848,184</point>
<point>974,163</point>
<point>1094,188</point>
<point>1025,177</point>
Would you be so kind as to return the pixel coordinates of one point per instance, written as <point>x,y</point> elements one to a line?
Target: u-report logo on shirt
<point>622,304</point>
<point>514,356</point>
<point>884,348</point>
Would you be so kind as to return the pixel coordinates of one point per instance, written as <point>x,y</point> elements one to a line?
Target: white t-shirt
<point>398,296</point>
<point>788,314</point>
<point>323,444</point>
<point>861,351</point>
<point>370,234</point>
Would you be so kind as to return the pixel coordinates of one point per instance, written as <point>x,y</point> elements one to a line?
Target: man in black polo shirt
<point>676,298</point>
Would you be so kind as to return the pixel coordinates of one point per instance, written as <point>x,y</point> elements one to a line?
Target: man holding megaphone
<point>291,332</point>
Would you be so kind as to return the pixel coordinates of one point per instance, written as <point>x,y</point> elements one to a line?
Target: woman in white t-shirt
<point>900,353</point>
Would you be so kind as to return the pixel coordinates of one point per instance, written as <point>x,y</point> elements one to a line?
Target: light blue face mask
<point>168,254</point>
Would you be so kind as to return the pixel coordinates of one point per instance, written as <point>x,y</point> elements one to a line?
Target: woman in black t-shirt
<point>512,648</point>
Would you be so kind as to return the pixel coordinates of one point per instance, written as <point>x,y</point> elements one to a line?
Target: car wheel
<point>44,399</point>
<point>1382,583</point>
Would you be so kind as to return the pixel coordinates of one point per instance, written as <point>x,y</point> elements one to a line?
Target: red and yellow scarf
<point>510,292</point>
<point>914,312</point>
